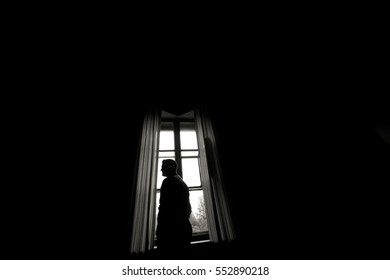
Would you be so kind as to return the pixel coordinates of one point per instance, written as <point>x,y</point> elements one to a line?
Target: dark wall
<point>69,195</point>
<point>306,180</point>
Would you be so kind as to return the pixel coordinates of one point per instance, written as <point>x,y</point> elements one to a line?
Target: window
<point>190,140</point>
<point>178,141</point>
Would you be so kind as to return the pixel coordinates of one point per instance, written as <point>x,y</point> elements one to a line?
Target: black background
<point>305,172</point>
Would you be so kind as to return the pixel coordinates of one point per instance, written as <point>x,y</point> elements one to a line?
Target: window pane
<point>166,125</point>
<point>157,204</point>
<point>189,154</point>
<point>166,154</point>
<point>188,139</point>
<point>187,126</point>
<point>190,168</point>
<point>198,216</point>
<point>167,141</point>
<point>160,177</point>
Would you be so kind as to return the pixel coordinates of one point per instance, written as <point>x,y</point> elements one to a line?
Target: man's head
<point>169,167</point>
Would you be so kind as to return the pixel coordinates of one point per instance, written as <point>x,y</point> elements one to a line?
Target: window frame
<point>196,236</point>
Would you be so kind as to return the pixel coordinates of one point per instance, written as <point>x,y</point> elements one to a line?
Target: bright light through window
<point>198,216</point>
<point>167,140</point>
<point>191,172</point>
<point>188,140</point>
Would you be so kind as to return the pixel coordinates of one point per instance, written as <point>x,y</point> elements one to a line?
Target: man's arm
<point>163,198</point>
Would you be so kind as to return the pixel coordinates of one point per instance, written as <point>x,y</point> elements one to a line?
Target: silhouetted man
<point>174,229</point>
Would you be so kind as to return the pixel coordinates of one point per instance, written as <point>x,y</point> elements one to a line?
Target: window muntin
<point>189,154</point>
<point>169,154</point>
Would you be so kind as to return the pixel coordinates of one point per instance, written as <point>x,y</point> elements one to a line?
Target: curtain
<point>142,238</point>
<point>219,219</point>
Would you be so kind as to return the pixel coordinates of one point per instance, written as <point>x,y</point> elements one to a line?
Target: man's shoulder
<point>174,180</point>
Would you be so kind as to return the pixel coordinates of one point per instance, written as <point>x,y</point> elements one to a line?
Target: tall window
<point>190,140</point>
<point>178,141</point>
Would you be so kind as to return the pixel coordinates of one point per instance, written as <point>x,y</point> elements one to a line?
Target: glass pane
<point>190,168</point>
<point>189,154</point>
<point>166,125</point>
<point>167,141</point>
<point>166,154</point>
<point>157,204</point>
<point>188,139</point>
<point>198,217</point>
<point>160,177</point>
<point>187,126</point>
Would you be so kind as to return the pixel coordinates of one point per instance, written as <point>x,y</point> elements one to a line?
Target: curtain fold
<point>142,238</point>
<point>219,219</point>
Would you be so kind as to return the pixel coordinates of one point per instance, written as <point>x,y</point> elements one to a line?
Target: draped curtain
<point>219,219</point>
<point>142,238</point>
